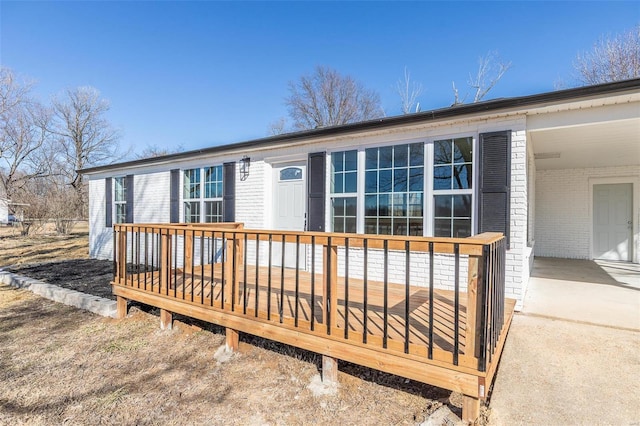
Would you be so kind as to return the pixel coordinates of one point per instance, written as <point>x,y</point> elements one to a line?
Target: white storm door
<point>612,223</point>
<point>289,211</point>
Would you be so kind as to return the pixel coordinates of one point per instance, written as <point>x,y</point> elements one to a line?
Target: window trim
<point>428,192</point>
<point>202,199</point>
<point>123,202</point>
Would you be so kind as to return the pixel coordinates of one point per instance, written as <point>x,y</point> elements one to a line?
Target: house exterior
<point>4,210</point>
<point>558,173</point>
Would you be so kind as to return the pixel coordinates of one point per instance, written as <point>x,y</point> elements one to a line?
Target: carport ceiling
<point>614,140</point>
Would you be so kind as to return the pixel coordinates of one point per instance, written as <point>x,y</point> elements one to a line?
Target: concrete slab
<point>573,354</point>
<point>605,293</point>
<point>555,372</point>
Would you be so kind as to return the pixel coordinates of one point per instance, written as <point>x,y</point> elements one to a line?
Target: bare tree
<point>151,151</point>
<point>24,136</point>
<point>13,90</point>
<point>611,59</point>
<point>490,70</point>
<point>84,136</point>
<point>408,91</point>
<point>278,127</point>
<point>327,98</point>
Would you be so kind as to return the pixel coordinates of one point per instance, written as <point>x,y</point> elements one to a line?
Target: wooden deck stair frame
<point>353,297</point>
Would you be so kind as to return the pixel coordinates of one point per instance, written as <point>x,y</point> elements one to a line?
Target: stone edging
<point>95,304</point>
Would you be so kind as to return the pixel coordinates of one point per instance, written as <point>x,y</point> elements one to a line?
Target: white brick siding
<point>254,200</point>
<point>564,210</point>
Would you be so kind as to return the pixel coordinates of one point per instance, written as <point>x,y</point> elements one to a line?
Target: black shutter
<point>229,192</point>
<point>495,181</point>
<point>129,186</point>
<point>108,210</point>
<point>316,192</point>
<point>174,188</point>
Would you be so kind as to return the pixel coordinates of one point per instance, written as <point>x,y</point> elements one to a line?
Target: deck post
<point>470,409</point>
<point>232,339</point>
<point>188,251</point>
<point>121,307</point>
<point>329,369</point>
<point>228,270</point>
<point>472,301</point>
<point>330,286</point>
<point>122,255</point>
<point>165,260</point>
<point>166,320</point>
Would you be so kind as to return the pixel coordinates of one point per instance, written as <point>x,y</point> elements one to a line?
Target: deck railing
<point>437,298</point>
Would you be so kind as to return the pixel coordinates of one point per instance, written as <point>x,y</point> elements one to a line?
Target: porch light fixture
<point>244,167</point>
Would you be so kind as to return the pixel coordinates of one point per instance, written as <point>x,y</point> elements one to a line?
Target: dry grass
<point>44,246</point>
<point>63,365</point>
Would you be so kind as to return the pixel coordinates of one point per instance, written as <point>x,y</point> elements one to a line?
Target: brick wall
<point>564,210</point>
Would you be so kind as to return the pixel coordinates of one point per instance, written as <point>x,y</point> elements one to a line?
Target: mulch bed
<point>89,276</point>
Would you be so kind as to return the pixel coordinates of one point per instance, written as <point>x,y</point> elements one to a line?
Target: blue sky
<point>199,74</point>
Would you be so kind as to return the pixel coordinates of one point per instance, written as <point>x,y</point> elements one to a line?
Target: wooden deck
<point>414,331</point>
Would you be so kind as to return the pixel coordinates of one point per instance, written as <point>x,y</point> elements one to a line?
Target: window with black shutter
<point>495,183</point>
<point>129,199</point>
<point>316,192</point>
<point>229,192</point>
<point>174,209</point>
<point>108,213</point>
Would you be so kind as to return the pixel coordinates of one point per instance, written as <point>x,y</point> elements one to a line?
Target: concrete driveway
<point>572,356</point>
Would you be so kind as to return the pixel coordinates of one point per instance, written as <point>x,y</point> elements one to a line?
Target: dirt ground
<point>63,365</point>
<point>43,246</point>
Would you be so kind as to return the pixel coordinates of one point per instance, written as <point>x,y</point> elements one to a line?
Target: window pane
<point>400,180</point>
<point>400,226</point>
<point>461,228</point>
<point>192,212</point>
<point>442,177</point>
<point>351,160</point>
<point>463,150</point>
<point>350,224</point>
<point>370,225</point>
<point>338,224</point>
<point>213,211</point>
<point>371,182</point>
<point>416,154</point>
<point>338,207</point>
<point>351,182</point>
<point>416,179</point>
<point>399,204</point>
<point>371,162</point>
<point>291,173</point>
<point>384,205</point>
<point>442,228</point>
<point>337,161</point>
<point>462,176</point>
<point>416,227</point>
<point>386,157</point>
<point>462,206</point>
<point>415,205</point>
<point>350,206</point>
<point>442,152</point>
<point>400,155</point>
<point>442,205</point>
<point>384,226</point>
<point>338,185</point>
<point>385,181</point>
<point>371,205</point>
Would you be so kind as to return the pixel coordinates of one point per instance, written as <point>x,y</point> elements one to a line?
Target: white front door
<point>612,223</point>
<point>289,212</point>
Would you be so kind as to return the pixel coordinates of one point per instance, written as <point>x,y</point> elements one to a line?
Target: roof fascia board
<point>522,103</point>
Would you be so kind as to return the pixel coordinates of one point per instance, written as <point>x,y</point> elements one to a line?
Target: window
<point>394,190</point>
<point>344,188</point>
<point>291,173</point>
<point>202,192</point>
<point>452,187</point>
<point>120,199</point>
